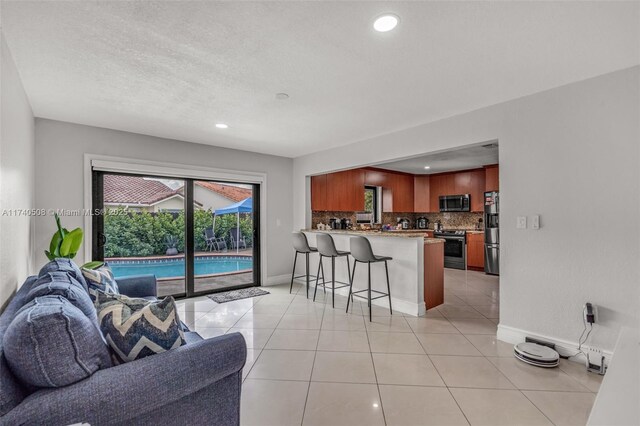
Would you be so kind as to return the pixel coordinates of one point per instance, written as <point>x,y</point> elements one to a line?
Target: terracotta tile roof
<point>119,189</point>
<point>231,192</point>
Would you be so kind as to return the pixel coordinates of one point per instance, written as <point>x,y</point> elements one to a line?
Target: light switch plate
<point>522,222</point>
<point>535,222</point>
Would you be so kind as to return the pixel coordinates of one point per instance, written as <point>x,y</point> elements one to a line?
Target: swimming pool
<point>172,268</point>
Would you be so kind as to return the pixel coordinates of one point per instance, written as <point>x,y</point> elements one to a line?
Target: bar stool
<point>301,245</point>
<point>362,252</point>
<point>327,248</point>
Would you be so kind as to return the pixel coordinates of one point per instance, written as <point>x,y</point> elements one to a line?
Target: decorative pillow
<point>58,283</point>
<point>136,328</point>
<point>50,343</point>
<point>64,265</point>
<point>100,279</point>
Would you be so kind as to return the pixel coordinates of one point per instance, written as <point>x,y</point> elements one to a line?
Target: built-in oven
<point>455,203</point>
<point>455,251</point>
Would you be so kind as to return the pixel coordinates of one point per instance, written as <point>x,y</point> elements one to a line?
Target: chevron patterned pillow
<point>100,279</point>
<point>136,328</point>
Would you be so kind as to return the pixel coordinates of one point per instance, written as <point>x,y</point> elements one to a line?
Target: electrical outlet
<point>535,222</point>
<point>521,222</point>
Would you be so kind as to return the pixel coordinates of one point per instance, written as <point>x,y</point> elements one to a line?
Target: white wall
<point>60,148</point>
<point>16,177</point>
<point>570,154</point>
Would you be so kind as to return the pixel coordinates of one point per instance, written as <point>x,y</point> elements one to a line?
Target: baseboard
<point>277,279</point>
<point>564,347</point>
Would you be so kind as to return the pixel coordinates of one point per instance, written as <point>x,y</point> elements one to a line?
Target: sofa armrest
<point>117,394</point>
<point>138,285</point>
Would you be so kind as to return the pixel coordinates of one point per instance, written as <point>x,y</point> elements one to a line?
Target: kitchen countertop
<point>397,234</point>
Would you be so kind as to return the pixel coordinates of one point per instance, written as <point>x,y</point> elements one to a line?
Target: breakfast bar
<point>416,272</point>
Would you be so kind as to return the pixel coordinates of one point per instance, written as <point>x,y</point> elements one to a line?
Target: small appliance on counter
<point>404,222</point>
<point>364,217</point>
<point>334,223</point>
<point>480,225</point>
<point>422,223</point>
<point>437,227</point>
<point>345,223</point>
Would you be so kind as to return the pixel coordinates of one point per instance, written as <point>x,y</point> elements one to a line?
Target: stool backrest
<point>300,242</point>
<point>361,249</point>
<point>326,246</point>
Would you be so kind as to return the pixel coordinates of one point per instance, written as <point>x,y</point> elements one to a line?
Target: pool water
<point>168,268</point>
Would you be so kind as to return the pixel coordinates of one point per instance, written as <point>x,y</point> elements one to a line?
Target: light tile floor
<point>309,364</point>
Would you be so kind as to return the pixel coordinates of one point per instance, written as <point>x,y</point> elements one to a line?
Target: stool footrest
<point>329,287</point>
<point>372,291</point>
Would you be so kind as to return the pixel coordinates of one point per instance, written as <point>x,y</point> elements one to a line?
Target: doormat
<point>243,293</point>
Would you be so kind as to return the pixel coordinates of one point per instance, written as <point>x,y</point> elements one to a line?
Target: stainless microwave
<point>455,203</point>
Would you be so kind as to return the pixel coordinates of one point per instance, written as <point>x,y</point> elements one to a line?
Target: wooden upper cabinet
<point>375,178</point>
<point>477,190</point>
<point>402,193</point>
<point>492,178</point>
<point>319,193</point>
<point>421,201</point>
<point>436,183</point>
<point>357,190</point>
<point>339,191</point>
<point>462,182</point>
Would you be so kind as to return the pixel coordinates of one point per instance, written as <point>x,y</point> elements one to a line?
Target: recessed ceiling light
<point>222,126</point>
<point>427,167</point>
<point>282,96</point>
<point>386,22</point>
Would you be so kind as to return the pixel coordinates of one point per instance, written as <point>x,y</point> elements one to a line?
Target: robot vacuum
<point>538,355</point>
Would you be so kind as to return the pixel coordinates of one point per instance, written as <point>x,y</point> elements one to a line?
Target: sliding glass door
<point>195,236</point>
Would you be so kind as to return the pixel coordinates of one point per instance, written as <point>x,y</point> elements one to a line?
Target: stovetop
<point>451,232</point>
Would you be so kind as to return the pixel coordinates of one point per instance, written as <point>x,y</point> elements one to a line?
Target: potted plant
<point>65,243</point>
<point>172,243</point>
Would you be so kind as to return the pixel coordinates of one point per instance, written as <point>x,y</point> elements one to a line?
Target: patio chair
<point>237,239</point>
<point>213,243</point>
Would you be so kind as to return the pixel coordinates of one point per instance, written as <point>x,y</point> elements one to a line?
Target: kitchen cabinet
<point>477,190</point>
<point>397,189</point>
<point>492,178</point>
<point>440,184</point>
<point>402,186</point>
<point>475,251</point>
<point>319,193</point>
<point>340,191</point>
<point>421,202</point>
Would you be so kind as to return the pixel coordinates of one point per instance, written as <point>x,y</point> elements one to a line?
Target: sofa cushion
<point>136,328</point>
<point>64,265</point>
<point>58,283</point>
<point>51,343</point>
<point>100,279</point>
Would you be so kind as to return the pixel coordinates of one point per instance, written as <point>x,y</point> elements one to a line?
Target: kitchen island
<point>416,273</point>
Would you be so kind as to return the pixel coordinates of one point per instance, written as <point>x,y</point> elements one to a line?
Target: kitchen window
<point>372,203</point>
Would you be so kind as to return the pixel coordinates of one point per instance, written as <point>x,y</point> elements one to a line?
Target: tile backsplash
<point>457,220</point>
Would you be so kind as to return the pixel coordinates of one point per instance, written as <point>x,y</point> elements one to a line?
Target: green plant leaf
<point>49,255</point>
<point>93,265</point>
<point>54,246</point>
<point>71,243</point>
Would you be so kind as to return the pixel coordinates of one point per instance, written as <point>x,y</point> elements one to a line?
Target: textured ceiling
<point>174,69</point>
<point>446,161</point>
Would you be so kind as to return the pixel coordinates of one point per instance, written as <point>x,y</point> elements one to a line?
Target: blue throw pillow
<point>50,343</point>
<point>57,283</point>
<point>64,265</point>
<point>136,328</point>
<point>100,279</point>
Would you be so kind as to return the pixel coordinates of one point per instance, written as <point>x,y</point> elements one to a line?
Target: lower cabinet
<point>475,251</point>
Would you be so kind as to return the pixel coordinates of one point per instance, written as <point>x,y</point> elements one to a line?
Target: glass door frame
<point>97,250</point>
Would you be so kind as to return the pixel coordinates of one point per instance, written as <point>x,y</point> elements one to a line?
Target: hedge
<point>144,234</point>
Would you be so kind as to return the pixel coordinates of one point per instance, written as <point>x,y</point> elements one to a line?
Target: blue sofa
<point>198,383</point>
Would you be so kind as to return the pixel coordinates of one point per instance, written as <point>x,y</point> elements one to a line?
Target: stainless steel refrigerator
<point>491,233</point>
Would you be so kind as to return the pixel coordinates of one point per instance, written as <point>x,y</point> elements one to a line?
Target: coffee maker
<point>345,223</point>
<point>334,223</point>
<point>404,222</point>
<point>422,223</point>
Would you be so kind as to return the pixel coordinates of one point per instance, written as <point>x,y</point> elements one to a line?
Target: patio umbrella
<point>244,206</point>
